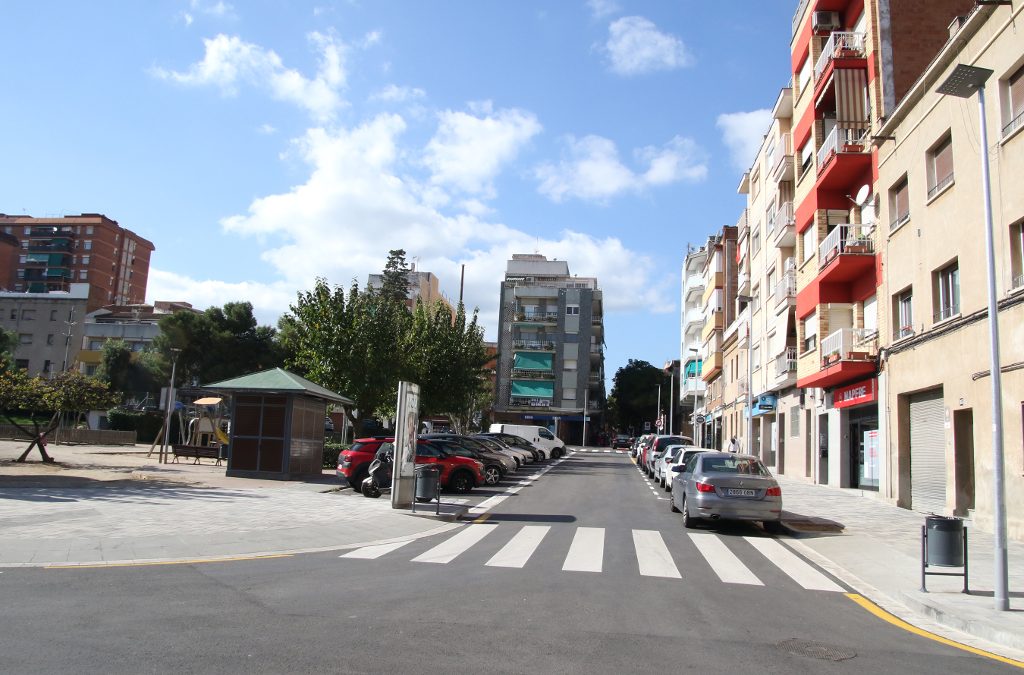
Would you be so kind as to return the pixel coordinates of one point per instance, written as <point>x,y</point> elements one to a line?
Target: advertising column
<point>406,426</point>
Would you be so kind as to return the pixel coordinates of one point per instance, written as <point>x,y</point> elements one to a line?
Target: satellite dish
<point>862,195</point>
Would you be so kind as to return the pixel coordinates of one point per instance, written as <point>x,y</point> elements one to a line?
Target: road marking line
<point>517,551</point>
<point>487,504</point>
<point>586,553</point>
<point>723,561</point>
<point>448,550</point>
<point>652,555</point>
<point>194,561</point>
<point>794,567</point>
<point>482,518</point>
<point>900,623</point>
<point>374,552</point>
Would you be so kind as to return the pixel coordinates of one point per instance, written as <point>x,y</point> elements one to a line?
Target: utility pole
<point>70,323</point>
<point>169,406</point>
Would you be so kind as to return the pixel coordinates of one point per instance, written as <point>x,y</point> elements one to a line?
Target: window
<point>88,229</point>
<point>810,326</point>
<point>804,74</point>
<point>569,364</point>
<point>806,156</point>
<point>83,275</point>
<point>545,434</point>
<point>85,259</point>
<point>947,296</point>
<point>569,393</point>
<point>755,183</point>
<point>28,315</point>
<point>28,231</point>
<point>21,273</point>
<point>769,282</point>
<point>903,314</point>
<point>90,370</point>
<point>755,239</point>
<point>899,203</point>
<point>1017,254</point>
<point>14,315</point>
<point>808,242</point>
<point>1014,107</point>
<point>755,299</point>
<point>940,166</point>
<point>49,339</point>
<point>21,364</point>
<point>755,357</point>
<point>95,345</point>
<point>47,366</point>
<point>871,316</point>
<point>25,339</point>
<point>571,310</point>
<point>87,244</point>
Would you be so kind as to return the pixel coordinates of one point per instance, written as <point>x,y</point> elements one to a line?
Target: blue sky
<point>261,144</point>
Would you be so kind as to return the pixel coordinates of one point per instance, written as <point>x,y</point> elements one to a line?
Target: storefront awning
<point>531,389</point>
<point>532,361</point>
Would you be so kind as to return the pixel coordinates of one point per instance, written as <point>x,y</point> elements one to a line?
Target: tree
<point>396,276</point>
<point>115,365</point>
<point>634,395</point>
<point>8,341</point>
<point>68,392</point>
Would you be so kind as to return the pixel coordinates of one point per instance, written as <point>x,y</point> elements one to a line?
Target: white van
<point>551,445</point>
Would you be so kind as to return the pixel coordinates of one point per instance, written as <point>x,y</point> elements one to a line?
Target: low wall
<point>74,436</point>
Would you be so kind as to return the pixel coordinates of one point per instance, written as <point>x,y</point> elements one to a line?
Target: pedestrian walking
<point>734,445</point>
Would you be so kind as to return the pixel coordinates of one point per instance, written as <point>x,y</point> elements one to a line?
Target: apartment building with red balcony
<point>852,62</point>
<point>719,302</point>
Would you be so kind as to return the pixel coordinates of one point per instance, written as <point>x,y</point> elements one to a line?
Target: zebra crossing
<point>586,553</point>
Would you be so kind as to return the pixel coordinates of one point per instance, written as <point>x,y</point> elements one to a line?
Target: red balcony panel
<point>845,268</point>
<point>839,372</point>
<point>844,170</point>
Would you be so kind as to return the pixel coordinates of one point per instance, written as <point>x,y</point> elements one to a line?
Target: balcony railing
<point>781,161</point>
<point>846,344</point>
<point>528,374</point>
<point>596,349</point>
<point>741,225</point>
<point>902,332</point>
<point>537,316</point>
<point>781,218</point>
<point>785,363</point>
<point>947,311</point>
<point>692,385</point>
<point>538,345</point>
<point>840,45</point>
<point>593,405</point>
<point>845,239</point>
<point>527,402</point>
<point>940,185</point>
<point>1018,281</point>
<point>785,290</point>
<point>1014,124</point>
<point>799,13</point>
<point>840,139</point>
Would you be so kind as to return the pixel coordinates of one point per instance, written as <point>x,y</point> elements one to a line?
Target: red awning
<point>851,98</point>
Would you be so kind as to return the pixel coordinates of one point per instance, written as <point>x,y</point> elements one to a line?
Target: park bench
<point>199,452</point>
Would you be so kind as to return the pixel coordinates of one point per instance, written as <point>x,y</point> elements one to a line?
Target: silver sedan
<point>726,486</point>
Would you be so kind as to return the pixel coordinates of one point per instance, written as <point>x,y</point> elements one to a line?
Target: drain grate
<point>817,650</point>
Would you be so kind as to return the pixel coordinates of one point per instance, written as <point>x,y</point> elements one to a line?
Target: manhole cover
<point>817,650</point>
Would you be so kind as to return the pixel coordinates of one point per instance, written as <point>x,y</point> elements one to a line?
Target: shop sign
<point>765,403</point>
<point>855,394</point>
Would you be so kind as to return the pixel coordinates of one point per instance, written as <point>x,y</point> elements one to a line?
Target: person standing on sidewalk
<point>734,446</point>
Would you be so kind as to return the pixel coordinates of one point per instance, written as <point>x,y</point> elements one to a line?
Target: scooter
<point>378,481</point>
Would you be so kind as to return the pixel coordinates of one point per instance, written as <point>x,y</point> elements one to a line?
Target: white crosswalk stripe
<point>723,561</point>
<point>586,553</point>
<point>374,552</point>
<point>795,568</point>
<point>448,550</point>
<point>652,555</point>
<point>518,551</point>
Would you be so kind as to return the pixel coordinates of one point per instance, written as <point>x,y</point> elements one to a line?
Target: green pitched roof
<point>278,380</point>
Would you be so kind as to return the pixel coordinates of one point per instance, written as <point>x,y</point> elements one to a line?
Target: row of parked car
<point>706,485</point>
<point>465,462</point>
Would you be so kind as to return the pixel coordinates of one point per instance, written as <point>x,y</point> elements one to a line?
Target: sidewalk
<point>105,505</point>
<point>878,545</point>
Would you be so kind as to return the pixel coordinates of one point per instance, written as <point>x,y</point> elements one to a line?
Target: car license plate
<point>737,492</point>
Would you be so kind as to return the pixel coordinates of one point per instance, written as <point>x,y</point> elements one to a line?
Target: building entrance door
<point>864,448</point>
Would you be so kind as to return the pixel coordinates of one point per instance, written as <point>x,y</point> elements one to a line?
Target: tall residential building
<point>136,325</point>
<point>48,326</point>
<point>90,248</point>
<point>550,348</point>
<point>691,319</point>
<point>423,286</point>
<point>936,394</point>
<point>852,61</point>
<point>719,302</point>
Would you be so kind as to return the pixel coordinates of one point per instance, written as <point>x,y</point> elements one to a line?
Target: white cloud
<point>360,201</point>
<point>229,62</point>
<point>468,151</point>
<point>392,93</point>
<point>592,171</point>
<point>269,300</point>
<point>602,8</point>
<point>372,38</point>
<point>267,129</point>
<point>743,133</point>
<point>636,46</point>
<point>187,18</point>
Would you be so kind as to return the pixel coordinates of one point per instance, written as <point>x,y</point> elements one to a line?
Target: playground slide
<point>222,437</point>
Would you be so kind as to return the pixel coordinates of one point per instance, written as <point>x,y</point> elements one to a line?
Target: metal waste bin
<point>945,541</point>
<point>427,477</point>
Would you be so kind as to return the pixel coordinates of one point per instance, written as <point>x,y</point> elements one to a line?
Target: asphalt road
<point>584,570</point>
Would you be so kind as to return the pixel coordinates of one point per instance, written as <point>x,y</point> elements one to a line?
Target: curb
<point>979,629</point>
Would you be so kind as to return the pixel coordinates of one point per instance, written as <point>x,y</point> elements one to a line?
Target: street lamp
<point>750,371</point>
<point>169,406</point>
<point>693,419</point>
<point>962,83</point>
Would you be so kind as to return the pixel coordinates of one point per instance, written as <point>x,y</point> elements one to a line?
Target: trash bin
<point>427,477</point>
<point>945,538</point>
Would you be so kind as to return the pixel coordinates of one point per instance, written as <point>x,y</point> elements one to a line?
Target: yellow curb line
<point>168,562</point>
<point>899,623</point>
<point>481,519</point>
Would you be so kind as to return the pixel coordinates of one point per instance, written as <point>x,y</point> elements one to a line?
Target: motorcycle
<point>378,481</point>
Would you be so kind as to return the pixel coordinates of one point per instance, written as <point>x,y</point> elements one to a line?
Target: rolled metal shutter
<point>927,453</point>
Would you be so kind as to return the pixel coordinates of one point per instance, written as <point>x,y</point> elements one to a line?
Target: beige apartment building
<point>933,313</point>
<point>719,313</point>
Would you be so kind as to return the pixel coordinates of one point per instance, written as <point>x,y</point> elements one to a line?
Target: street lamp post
<point>693,419</point>
<point>657,413</point>
<point>963,82</point>
<point>750,371</point>
<point>671,397</point>
<point>169,406</point>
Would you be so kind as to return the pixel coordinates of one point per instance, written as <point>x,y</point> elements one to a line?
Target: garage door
<point>927,453</point>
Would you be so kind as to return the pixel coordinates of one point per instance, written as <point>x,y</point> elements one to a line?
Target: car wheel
<point>371,490</point>
<point>672,503</point>
<point>688,521</point>
<point>662,482</point>
<point>460,482</point>
<point>357,480</point>
<point>773,527</point>
<point>492,475</point>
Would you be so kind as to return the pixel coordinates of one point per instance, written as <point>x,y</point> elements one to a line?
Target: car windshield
<point>671,454</point>
<point>738,465</point>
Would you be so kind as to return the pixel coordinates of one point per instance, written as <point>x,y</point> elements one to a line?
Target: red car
<point>458,474</point>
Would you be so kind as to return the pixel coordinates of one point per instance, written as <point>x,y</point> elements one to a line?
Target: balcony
<point>716,282</point>
<point>843,157</point>
<point>536,317</point>
<point>785,363</point>
<point>782,226</point>
<point>847,354</point>
<point>527,402</point>
<point>715,322</point>
<point>846,254</point>
<point>743,282</point>
<point>534,345</point>
<point>785,290</point>
<point>742,225</point>
<point>799,13</point>
<point>594,406</point>
<point>1018,281</point>
<point>781,161</point>
<point>841,45</point>
<point>529,374</point>
<point>596,319</point>
<point>690,386</point>
<point>596,350</point>
<point>711,366</point>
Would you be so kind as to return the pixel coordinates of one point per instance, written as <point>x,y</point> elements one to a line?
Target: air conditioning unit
<point>825,21</point>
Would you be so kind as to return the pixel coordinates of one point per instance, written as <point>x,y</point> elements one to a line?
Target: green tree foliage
<point>634,395</point>
<point>69,392</point>
<point>8,341</point>
<point>396,276</point>
<point>218,344</point>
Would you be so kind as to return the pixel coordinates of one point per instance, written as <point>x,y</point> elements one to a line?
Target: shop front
<point>764,407</point>
<point>859,405</point>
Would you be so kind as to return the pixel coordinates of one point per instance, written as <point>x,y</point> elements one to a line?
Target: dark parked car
<point>621,441</point>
